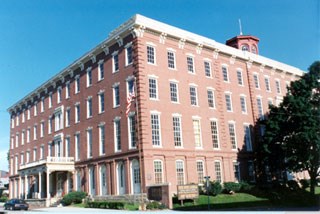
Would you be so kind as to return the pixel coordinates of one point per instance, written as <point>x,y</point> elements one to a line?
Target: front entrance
<point>135,176</point>
<point>59,184</point>
<point>121,179</point>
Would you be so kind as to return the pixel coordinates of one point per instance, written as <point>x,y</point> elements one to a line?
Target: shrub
<point>215,188</point>
<point>106,204</point>
<point>245,186</point>
<point>231,186</point>
<point>73,197</point>
<point>305,183</point>
<point>3,198</point>
<point>154,205</point>
<point>293,185</point>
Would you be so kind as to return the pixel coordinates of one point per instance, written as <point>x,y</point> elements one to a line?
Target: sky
<point>39,38</point>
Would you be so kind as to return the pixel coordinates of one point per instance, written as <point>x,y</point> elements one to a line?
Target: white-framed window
<point>132,130</point>
<point>158,171</point>
<point>236,171</point>
<point>35,111</point>
<point>17,119</point>
<point>218,171</point>
<point>155,129</point>
<point>27,156</point>
<point>151,54</point>
<point>41,152</point>
<point>89,77</point>
<point>129,58</point>
<point>256,81</point>
<point>77,84</point>
<point>89,142</point>
<point>267,83</point>
<point>278,86</point>
<point>174,95</point>
<point>180,172</point>
<point>59,94</point>
<point>58,119</point>
<point>153,88</point>
<point>228,102</point>
<point>49,125</point>
<point>260,107</point>
<point>171,60</point>
<point>12,142</point>
<point>211,100</point>
<point>68,116</point>
<point>207,69</point>
<point>50,100</point>
<point>239,77</point>
<point>101,70</point>
<point>102,139</point>
<point>193,96</point>
<point>243,104</point>
<point>101,102</point>
<point>225,74</point>
<point>41,129</point>
<point>67,142</point>
<point>190,64</point>
<point>28,135</point>
<point>17,140</point>
<point>116,95</point>
<point>214,134</point>
<point>68,90</point>
<point>77,113</point>
<point>12,123</point>
<point>197,132</point>
<point>21,159</point>
<point>77,146</point>
<point>34,154</point>
<point>34,132</point>
<point>117,134</point>
<point>232,134</point>
<point>89,107</point>
<point>247,137</point>
<point>41,106</point>
<point>115,62</point>
<point>270,101</point>
<point>28,113</point>
<point>200,171</point>
<point>22,137</point>
<point>177,131</point>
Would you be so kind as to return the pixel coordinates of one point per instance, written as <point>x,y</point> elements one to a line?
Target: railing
<point>60,160</point>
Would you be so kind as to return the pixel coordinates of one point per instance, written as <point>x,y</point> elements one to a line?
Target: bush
<point>305,183</point>
<point>73,197</point>
<point>245,187</point>
<point>293,185</point>
<point>231,186</point>
<point>106,204</point>
<point>3,198</point>
<point>154,205</point>
<point>215,188</point>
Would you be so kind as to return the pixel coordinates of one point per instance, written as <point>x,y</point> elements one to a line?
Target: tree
<point>292,130</point>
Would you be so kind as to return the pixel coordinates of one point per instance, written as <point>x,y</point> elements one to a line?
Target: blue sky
<point>39,38</point>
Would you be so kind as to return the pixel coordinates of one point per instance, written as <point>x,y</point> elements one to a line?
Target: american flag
<point>130,98</point>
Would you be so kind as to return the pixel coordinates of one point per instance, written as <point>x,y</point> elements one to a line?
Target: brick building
<point>196,103</point>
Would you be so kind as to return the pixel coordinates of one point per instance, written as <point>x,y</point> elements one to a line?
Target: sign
<point>188,191</point>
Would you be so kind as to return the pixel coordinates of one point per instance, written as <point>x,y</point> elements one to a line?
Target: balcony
<point>52,164</point>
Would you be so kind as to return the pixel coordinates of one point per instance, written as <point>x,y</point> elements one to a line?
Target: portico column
<point>39,195</point>
<point>48,184</point>
<point>19,192</point>
<point>25,186</point>
<point>97,181</point>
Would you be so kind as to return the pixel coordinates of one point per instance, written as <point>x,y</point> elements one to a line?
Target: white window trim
<point>155,112</point>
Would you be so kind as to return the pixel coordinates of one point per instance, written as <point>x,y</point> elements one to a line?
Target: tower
<point>245,43</point>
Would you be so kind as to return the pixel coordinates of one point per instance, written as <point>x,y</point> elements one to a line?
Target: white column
<point>48,182</point>
<point>25,186</point>
<point>19,191</point>
<point>39,181</point>
<point>68,180</point>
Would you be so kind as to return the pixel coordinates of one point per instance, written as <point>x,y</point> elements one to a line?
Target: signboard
<point>188,191</point>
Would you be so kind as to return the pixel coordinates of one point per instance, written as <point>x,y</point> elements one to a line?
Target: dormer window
<point>245,48</point>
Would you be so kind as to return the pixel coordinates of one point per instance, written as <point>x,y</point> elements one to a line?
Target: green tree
<point>292,130</point>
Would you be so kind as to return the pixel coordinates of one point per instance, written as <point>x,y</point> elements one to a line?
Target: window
<point>260,108</point>
<point>270,101</point>
<point>232,134</point>
<point>42,107</point>
<point>17,140</point>
<point>151,55</point>
<point>89,77</point>
<point>27,156</point>
<point>67,89</point>
<point>200,172</point>
<point>245,47</point>
<point>247,137</point>
<point>28,113</point>
<point>251,171</point>
<point>207,68</point>
<point>68,152</point>
<point>58,118</point>
<point>177,134</point>
<point>115,62</point>
<point>267,82</point>
<point>50,100</point>
<point>236,171</point>
<point>77,146</point>
<point>117,134</point>
<point>171,60</point>
<point>132,130</point>
<point>155,128</point>
<point>12,123</point>
<point>101,102</point>
<point>190,64</point>
<point>41,152</point>
<point>89,107</point>
<point>89,143</point>
<point>101,71</point>
<point>157,165</point>
<point>34,154</point>
<point>239,77</point>
<point>214,134</point>
<point>35,111</point>
<point>34,132</point>
<point>12,142</point>
<point>116,95</point>
<point>50,125</point>
<point>21,159</point>
<point>197,133</point>
<point>28,135</point>
<point>129,55</point>
<point>22,137</point>
<point>17,119</point>
<point>228,102</point>
<point>278,87</point>
<point>102,139</point>
<point>59,94</point>
<point>193,96</point>
<point>23,117</point>
<point>225,74</point>
<point>41,129</point>
<point>180,172</point>
<point>77,84</point>
<point>256,81</point>
<point>68,112</point>
<point>174,92</point>
<point>153,92</point>
<point>211,102</point>
<point>243,104</point>
<point>217,169</point>
<point>77,113</point>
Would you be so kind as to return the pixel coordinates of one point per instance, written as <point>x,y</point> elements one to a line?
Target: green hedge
<point>73,198</point>
<point>106,205</point>
<point>231,186</point>
<point>215,188</point>
<point>3,198</point>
